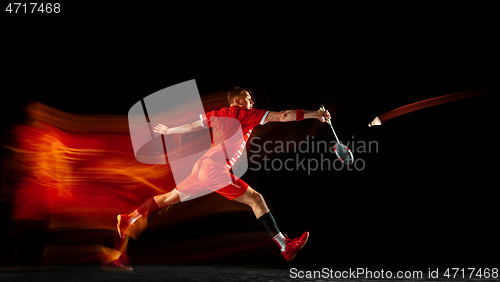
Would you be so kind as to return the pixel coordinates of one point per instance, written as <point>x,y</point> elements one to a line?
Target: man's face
<point>245,100</point>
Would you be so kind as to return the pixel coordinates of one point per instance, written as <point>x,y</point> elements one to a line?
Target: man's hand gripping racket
<point>341,150</point>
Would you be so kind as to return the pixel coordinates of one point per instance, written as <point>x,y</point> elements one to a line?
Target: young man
<point>213,169</point>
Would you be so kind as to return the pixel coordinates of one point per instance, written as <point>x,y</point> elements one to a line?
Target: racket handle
<point>322,108</point>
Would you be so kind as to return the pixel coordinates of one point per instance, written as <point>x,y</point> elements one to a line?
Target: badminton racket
<point>341,150</point>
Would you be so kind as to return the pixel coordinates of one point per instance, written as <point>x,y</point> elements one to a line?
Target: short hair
<point>236,92</point>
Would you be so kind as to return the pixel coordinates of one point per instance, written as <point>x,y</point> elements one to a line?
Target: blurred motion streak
<point>74,172</point>
<point>427,103</point>
<point>77,171</point>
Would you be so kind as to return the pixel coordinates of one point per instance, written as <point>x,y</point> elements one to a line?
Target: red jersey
<point>231,128</point>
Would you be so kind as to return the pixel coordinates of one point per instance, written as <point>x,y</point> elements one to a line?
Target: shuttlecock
<point>376,121</point>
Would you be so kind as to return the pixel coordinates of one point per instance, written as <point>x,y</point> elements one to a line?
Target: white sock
<point>281,240</point>
<point>133,218</point>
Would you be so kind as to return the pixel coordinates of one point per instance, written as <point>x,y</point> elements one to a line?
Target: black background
<point>425,198</point>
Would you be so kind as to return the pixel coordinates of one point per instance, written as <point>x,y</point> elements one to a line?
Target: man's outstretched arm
<point>190,127</point>
<point>294,115</point>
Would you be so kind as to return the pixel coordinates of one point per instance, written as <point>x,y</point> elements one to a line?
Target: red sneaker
<point>293,246</point>
<point>122,224</point>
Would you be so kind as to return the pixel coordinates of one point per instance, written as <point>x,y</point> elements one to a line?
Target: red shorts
<point>209,176</point>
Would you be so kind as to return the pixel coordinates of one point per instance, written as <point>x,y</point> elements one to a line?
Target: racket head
<point>343,153</point>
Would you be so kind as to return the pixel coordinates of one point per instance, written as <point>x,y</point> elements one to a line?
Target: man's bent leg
<point>259,207</point>
<point>255,200</point>
<point>126,220</point>
<point>289,248</point>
